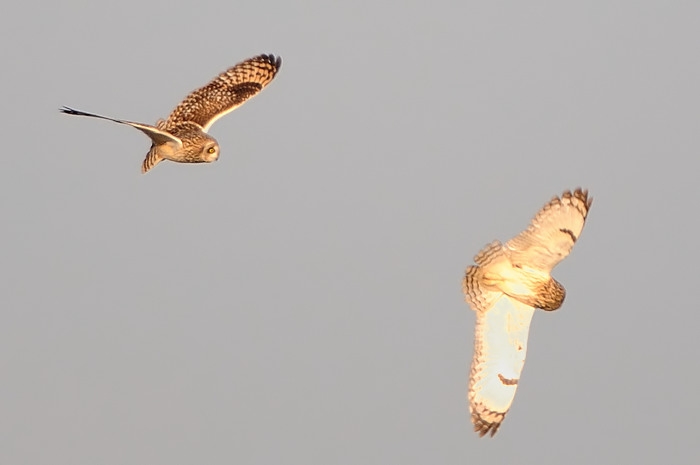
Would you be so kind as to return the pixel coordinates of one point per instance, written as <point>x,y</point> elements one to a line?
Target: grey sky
<point>299,300</point>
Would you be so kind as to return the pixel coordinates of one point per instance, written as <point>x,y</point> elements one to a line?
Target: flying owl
<point>183,136</point>
<point>504,288</point>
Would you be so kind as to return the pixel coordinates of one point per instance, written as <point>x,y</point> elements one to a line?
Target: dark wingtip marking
<point>276,61</point>
<point>582,195</point>
<point>68,110</point>
<point>483,427</point>
<point>507,381</point>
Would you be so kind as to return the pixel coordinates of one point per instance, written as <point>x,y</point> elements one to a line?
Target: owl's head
<point>197,145</point>
<point>550,295</point>
<point>210,151</point>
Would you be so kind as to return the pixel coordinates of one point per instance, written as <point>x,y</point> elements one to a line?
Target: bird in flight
<point>183,136</point>
<point>505,287</point>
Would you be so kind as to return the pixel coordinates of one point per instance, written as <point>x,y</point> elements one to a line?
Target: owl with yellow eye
<point>183,136</point>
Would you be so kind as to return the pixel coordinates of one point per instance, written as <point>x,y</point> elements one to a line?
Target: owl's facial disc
<point>211,152</point>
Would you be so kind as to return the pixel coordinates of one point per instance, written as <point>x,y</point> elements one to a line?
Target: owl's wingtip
<point>273,59</point>
<point>483,427</point>
<point>581,195</point>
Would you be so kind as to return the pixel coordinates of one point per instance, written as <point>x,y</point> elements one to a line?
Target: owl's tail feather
<point>152,159</point>
<point>477,292</point>
<point>477,295</point>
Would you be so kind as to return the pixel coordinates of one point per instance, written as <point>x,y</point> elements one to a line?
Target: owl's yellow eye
<point>211,150</point>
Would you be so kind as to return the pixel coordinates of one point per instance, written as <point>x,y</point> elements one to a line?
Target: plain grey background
<point>299,300</point>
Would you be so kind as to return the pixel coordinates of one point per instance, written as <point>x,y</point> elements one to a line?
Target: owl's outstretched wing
<point>157,135</point>
<point>500,344</point>
<point>552,232</point>
<point>226,92</point>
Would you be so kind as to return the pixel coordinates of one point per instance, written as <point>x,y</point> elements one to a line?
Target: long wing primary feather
<point>156,135</point>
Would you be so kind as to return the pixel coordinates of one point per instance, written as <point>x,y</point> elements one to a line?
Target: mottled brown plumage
<point>183,136</point>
